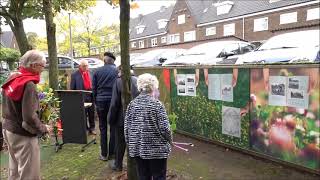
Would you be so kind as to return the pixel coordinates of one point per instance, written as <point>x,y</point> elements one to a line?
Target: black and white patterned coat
<point>147,128</point>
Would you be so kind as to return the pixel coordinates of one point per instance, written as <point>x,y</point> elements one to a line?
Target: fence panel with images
<point>267,110</point>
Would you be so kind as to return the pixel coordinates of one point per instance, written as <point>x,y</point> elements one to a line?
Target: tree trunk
<point>89,45</point>
<point>52,46</point>
<point>21,37</point>
<point>125,59</point>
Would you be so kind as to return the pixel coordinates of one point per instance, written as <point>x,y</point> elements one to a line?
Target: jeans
<point>155,169</point>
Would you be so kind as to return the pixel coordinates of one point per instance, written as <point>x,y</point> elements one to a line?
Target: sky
<point>102,9</point>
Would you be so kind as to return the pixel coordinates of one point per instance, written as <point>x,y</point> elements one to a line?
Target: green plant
<point>172,119</point>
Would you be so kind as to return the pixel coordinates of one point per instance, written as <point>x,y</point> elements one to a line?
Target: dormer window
<point>140,29</point>
<point>162,23</point>
<point>223,7</point>
<point>272,1</point>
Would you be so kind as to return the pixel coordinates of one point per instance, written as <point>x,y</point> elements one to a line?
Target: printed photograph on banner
<point>214,87</point>
<point>277,90</point>
<point>231,121</point>
<point>297,92</point>
<point>181,79</point>
<point>226,87</point>
<point>191,84</point>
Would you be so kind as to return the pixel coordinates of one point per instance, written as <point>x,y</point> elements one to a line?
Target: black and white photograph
<point>182,90</point>
<point>190,80</point>
<point>296,94</point>
<point>293,83</point>
<point>278,89</point>
<point>181,82</point>
<point>191,89</point>
<point>226,90</point>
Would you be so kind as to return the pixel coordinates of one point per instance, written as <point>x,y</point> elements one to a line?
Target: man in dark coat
<point>103,80</point>
<point>116,119</point>
<point>80,80</point>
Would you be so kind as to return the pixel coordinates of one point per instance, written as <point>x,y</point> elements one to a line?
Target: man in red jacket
<point>21,123</point>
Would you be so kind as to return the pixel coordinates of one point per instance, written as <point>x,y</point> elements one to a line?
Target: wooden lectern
<point>73,117</point>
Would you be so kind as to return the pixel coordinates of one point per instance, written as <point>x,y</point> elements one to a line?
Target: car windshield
<point>210,49</point>
<point>292,40</point>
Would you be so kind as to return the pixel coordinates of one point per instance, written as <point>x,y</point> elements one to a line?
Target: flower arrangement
<point>49,108</point>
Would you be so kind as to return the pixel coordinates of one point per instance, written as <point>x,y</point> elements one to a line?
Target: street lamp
<point>71,50</point>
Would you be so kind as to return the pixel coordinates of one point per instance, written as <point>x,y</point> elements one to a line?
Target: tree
<point>37,42</point>
<point>125,59</point>
<point>10,56</point>
<point>52,45</point>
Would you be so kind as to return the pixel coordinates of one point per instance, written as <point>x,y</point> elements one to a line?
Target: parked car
<point>219,52</point>
<point>64,62</point>
<point>156,57</point>
<point>93,62</point>
<point>288,47</point>
<point>132,57</point>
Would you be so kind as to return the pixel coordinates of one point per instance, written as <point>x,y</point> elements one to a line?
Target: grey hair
<point>83,62</point>
<point>32,57</point>
<point>147,83</point>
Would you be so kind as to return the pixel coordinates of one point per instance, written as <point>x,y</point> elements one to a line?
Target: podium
<point>73,117</point>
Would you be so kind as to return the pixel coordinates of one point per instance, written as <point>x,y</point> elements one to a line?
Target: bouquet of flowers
<point>49,108</point>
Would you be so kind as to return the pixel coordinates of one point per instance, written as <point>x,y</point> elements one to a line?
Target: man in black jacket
<point>103,80</point>
<point>80,80</point>
<point>116,119</point>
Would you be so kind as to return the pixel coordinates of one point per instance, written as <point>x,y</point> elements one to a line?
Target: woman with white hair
<point>147,131</point>
<point>21,123</point>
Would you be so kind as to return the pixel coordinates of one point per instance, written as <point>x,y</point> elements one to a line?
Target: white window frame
<point>189,36</point>
<point>164,39</point>
<point>261,24</point>
<point>133,45</point>
<point>154,42</point>
<point>162,23</point>
<point>173,38</point>
<point>182,19</point>
<point>313,14</point>
<point>288,18</point>
<point>229,32</point>
<point>210,31</point>
<point>140,29</point>
<point>141,44</point>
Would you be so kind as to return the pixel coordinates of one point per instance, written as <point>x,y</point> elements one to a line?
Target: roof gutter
<point>259,13</point>
<point>159,34</point>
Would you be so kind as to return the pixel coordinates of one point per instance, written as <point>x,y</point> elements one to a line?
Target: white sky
<point>102,9</point>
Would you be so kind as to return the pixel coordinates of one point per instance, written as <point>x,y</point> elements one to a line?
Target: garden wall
<point>270,111</point>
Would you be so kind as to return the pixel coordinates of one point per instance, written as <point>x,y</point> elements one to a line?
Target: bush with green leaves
<point>10,56</point>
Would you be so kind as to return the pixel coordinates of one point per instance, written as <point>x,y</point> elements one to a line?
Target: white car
<point>218,52</point>
<point>93,62</point>
<point>288,47</point>
<point>156,57</point>
<point>63,62</point>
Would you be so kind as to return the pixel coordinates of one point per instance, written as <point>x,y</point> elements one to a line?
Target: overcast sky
<point>102,9</point>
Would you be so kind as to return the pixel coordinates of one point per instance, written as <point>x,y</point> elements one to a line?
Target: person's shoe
<point>92,133</point>
<point>103,158</point>
<point>115,168</point>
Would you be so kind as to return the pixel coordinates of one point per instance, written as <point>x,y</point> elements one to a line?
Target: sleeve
<point>127,122</point>
<point>115,105</point>
<point>94,87</point>
<point>73,82</point>
<point>163,123</point>
<point>30,106</point>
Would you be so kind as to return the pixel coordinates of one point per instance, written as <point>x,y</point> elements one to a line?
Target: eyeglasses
<point>37,64</point>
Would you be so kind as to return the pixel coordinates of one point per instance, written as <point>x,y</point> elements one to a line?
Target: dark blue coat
<point>102,82</point>
<point>76,81</point>
<point>116,112</point>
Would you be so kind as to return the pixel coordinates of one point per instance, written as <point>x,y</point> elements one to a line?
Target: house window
<point>140,29</point>
<point>133,44</point>
<point>313,14</point>
<point>223,7</point>
<point>154,42</point>
<point>141,44</point>
<point>260,24</point>
<point>288,18</point>
<point>173,38</point>
<point>189,36</point>
<point>162,23</point>
<point>229,29</point>
<point>211,31</point>
<point>163,39</point>
<point>182,19</point>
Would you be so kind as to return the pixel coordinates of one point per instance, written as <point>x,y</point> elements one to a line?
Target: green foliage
<point>10,56</point>
<point>173,119</point>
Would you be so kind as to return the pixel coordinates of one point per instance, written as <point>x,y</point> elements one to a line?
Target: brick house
<point>8,40</point>
<point>195,22</point>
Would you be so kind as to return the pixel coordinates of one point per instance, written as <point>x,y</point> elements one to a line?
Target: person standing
<point>21,123</point>
<point>103,80</point>
<point>147,131</point>
<point>116,118</point>
<point>80,80</point>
